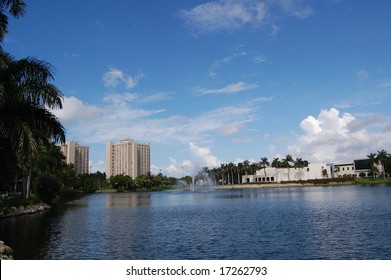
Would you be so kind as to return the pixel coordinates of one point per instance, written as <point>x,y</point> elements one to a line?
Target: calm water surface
<point>285,223</point>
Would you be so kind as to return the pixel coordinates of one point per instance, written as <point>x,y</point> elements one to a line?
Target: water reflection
<point>128,200</point>
<point>289,223</point>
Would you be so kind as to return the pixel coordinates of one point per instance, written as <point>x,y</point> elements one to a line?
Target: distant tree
<point>300,163</point>
<point>337,169</point>
<point>324,172</point>
<point>121,182</point>
<point>239,170</point>
<point>372,161</point>
<point>286,162</point>
<point>246,165</point>
<point>276,163</point>
<point>264,163</point>
<point>382,157</point>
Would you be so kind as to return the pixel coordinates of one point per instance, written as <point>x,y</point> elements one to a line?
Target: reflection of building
<point>128,200</point>
<point>76,155</point>
<point>127,158</point>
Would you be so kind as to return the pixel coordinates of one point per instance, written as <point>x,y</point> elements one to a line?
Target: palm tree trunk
<point>28,184</point>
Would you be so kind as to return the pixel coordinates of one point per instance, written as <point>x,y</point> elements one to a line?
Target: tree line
<point>26,96</point>
<point>382,158</point>
<point>231,173</point>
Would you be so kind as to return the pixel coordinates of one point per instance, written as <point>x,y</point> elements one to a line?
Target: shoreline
<point>284,185</point>
<point>23,210</point>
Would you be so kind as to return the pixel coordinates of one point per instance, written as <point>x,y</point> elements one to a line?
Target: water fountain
<point>200,181</point>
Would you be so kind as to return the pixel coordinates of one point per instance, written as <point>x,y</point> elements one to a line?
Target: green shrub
<point>47,187</point>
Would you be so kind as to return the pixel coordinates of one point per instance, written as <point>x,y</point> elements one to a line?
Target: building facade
<point>354,169</point>
<point>277,175</point>
<point>77,155</point>
<point>127,158</point>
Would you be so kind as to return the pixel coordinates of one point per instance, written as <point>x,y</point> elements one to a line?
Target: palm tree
<point>263,164</point>
<point>223,169</point>
<point>26,95</point>
<point>15,7</point>
<point>231,169</point>
<point>372,160</point>
<point>382,157</point>
<point>253,167</point>
<point>286,162</point>
<point>300,163</point>
<point>246,166</point>
<point>276,163</point>
<point>239,168</point>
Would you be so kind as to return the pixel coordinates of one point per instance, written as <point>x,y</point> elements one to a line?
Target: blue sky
<point>211,82</point>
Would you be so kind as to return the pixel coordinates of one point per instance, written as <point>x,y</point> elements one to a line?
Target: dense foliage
<point>142,182</point>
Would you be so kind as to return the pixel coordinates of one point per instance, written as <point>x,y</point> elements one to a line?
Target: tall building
<point>127,158</point>
<point>77,155</point>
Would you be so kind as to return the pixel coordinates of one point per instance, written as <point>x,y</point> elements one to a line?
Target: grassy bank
<point>373,181</point>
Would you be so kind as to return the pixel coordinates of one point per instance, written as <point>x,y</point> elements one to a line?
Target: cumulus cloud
<point>229,89</point>
<point>333,136</point>
<point>178,169</point>
<point>204,155</point>
<point>74,109</point>
<point>114,77</point>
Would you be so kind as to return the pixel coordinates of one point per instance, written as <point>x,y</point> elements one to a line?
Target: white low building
<point>277,175</point>
<point>354,169</point>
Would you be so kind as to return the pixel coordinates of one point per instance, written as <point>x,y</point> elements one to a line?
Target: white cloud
<point>333,137</point>
<point>176,169</point>
<point>74,109</point>
<point>225,60</point>
<point>116,119</point>
<point>237,54</point>
<point>275,29</point>
<point>231,128</point>
<point>231,15</point>
<point>225,15</point>
<point>229,89</point>
<point>71,55</point>
<point>114,77</point>
<point>205,155</point>
<point>121,97</point>
<point>296,8</point>
<point>97,166</point>
<point>362,75</point>
<point>241,141</point>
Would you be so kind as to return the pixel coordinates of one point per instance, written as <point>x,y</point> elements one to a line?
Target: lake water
<point>349,222</point>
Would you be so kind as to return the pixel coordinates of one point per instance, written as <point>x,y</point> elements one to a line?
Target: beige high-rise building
<point>77,155</point>
<point>127,158</point>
